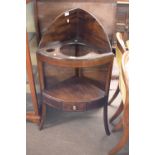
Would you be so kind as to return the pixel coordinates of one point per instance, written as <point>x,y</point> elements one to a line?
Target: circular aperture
<point>77,50</point>
<point>50,50</point>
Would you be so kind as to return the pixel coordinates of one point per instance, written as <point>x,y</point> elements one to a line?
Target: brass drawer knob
<point>74,107</point>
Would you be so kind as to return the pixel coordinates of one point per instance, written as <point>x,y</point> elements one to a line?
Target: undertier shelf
<point>75,94</point>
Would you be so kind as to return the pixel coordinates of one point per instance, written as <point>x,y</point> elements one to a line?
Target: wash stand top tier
<point>75,35</point>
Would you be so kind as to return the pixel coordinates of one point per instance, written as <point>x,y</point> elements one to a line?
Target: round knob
<point>74,107</point>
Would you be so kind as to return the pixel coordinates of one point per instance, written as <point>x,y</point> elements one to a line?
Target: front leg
<point>106,118</point>
<point>43,116</point>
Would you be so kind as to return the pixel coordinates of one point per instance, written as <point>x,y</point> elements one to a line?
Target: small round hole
<point>50,50</point>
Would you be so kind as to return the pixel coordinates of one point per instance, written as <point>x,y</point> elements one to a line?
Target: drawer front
<point>74,107</point>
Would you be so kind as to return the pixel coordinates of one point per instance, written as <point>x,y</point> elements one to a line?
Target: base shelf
<point>76,93</point>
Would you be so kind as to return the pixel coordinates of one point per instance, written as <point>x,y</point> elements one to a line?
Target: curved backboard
<point>76,26</point>
<point>48,10</point>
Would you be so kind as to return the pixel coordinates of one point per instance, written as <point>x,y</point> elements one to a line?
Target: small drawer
<point>74,107</point>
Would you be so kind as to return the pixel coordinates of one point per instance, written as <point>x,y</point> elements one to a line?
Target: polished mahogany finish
<point>76,27</point>
<point>74,63</point>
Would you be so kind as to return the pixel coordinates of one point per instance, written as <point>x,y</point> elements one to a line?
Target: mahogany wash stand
<point>74,55</point>
<point>74,64</point>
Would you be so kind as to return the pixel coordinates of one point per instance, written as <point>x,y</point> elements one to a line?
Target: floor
<point>67,133</point>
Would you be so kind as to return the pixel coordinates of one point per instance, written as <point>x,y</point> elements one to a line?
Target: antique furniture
<point>120,49</point>
<point>124,88</point>
<point>46,11</point>
<point>31,116</point>
<point>74,64</point>
<point>122,26</point>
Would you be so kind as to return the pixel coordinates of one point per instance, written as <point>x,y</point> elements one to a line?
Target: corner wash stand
<point>75,64</point>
